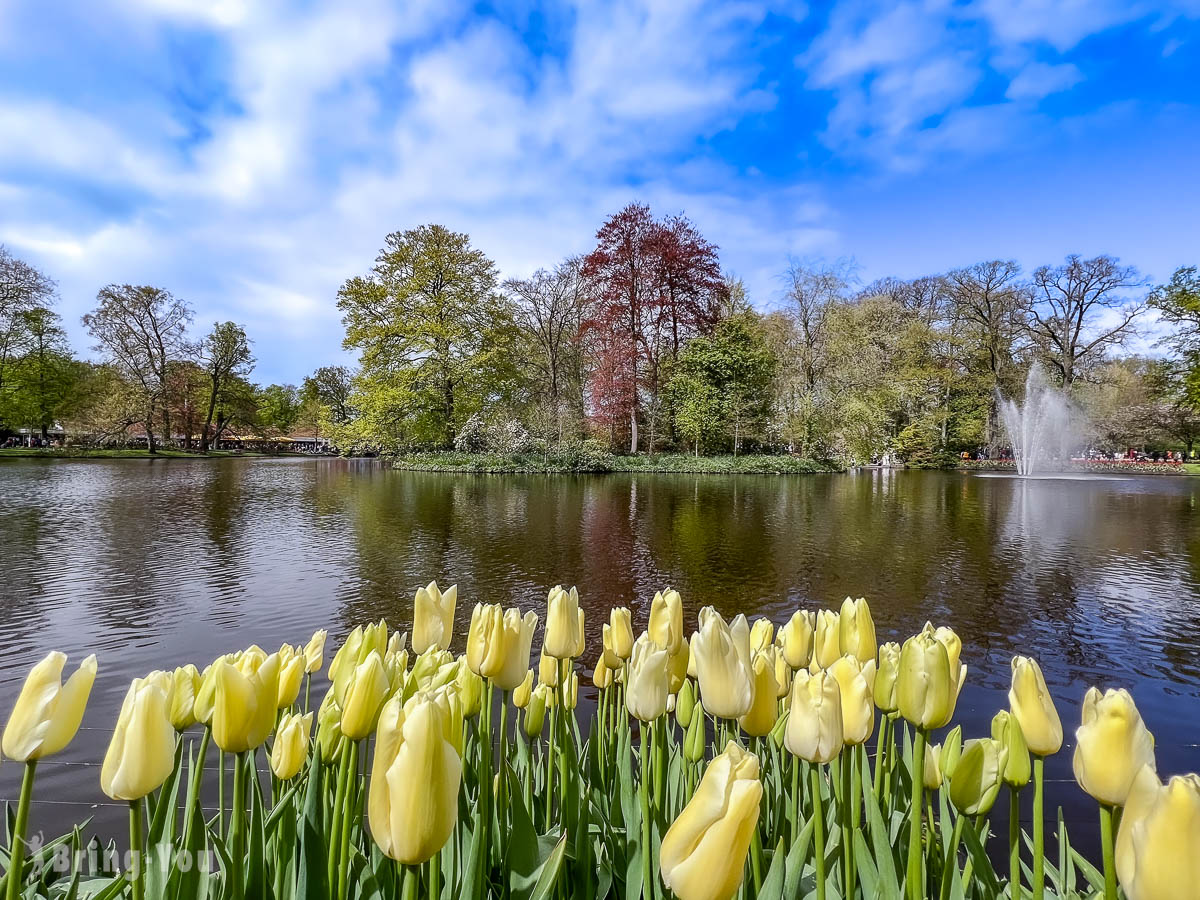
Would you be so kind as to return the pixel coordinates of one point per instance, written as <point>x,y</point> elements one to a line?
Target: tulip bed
<point>750,761</point>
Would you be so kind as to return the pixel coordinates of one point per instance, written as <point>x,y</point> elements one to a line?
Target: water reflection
<point>152,564</point>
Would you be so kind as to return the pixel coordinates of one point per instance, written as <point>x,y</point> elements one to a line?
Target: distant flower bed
<point>1142,466</point>
<point>585,459</point>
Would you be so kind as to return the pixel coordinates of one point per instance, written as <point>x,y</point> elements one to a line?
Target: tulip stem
<point>435,875</point>
<point>221,793</point>
<point>347,813</point>
<point>17,849</point>
<point>339,801</point>
<point>644,792</point>
<point>136,845</point>
<point>915,879</point>
<point>1014,842</point>
<point>818,831</point>
<point>237,813</point>
<point>502,792</point>
<point>951,863</point>
<point>881,751</point>
<point>847,766</point>
<point>1038,886</point>
<point>794,808</point>
<point>408,876</point>
<point>1106,841</point>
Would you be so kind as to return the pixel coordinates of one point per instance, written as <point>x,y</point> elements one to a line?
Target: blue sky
<point>251,156</point>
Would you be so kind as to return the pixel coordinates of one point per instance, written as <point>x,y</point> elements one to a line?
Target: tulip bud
<point>329,728</point>
<point>47,712</point>
<point>693,739</point>
<point>523,691</point>
<point>563,634</point>
<point>346,658</point>
<point>722,655</point>
<point>1033,707</point>
<point>885,677</point>
<point>703,853</point>
<point>677,667</point>
<point>572,691</point>
<point>764,704</point>
<point>932,776</point>
<point>141,754</point>
<point>206,696</point>
<point>185,683</point>
<point>580,641</point>
<point>646,690</point>
<point>470,690</point>
<point>535,713</point>
<point>796,639</point>
<point>666,620</point>
<point>1156,842</point>
<point>783,676</point>
<point>433,617</point>
<point>977,777</point>
<point>856,630</point>
<point>620,631</point>
<point>412,804</point>
<point>366,692</point>
<point>685,703</point>
<point>548,670</point>
<point>762,633</point>
<point>814,728</point>
<point>291,745</point>
<point>926,690</point>
<point>291,676</point>
<point>951,751</point>
<point>602,675</point>
<point>244,703</point>
<point>1007,730</point>
<point>827,639</point>
<point>858,708</point>
<point>1112,745</point>
<point>314,651</point>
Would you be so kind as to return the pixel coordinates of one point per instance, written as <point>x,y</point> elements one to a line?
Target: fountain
<point>1041,428</point>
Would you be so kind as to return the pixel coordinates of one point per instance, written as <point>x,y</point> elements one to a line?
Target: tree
<point>1078,311</point>
<point>278,408</point>
<point>224,354</point>
<point>141,329</point>
<point>327,391</point>
<point>690,280</point>
<point>434,336</point>
<point>1178,304</point>
<point>45,374</point>
<point>22,290</point>
<point>549,309</point>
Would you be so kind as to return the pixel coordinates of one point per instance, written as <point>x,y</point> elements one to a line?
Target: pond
<point>150,564</point>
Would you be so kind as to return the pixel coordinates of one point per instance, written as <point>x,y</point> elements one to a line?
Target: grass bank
<point>110,453</point>
<point>574,462</point>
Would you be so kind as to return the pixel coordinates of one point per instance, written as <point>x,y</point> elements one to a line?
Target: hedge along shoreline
<point>583,462</point>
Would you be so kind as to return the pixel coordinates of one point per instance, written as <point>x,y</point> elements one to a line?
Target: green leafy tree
<point>45,375</point>
<point>434,336</point>
<point>278,408</point>
<point>225,355</point>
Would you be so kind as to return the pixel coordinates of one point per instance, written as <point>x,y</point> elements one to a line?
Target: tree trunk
<point>633,431</point>
<point>151,447</point>
<point>212,405</point>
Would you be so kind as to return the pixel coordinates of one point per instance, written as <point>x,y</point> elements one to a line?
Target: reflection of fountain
<point>1040,428</point>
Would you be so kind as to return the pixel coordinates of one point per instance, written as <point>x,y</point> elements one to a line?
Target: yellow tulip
<point>685,704</point>
<point>206,696</point>
<point>677,667</point>
<point>291,676</point>
<point>796,639</point>
<point>291,745</point>
<point>619,631</point>
<point>858,708</point>
<point>764,704</point>
<point>932,776</point>
<point>412,805</point>
<point>548,670</point>
<point>572,690</point>
<point>470,690</point>
<point>185,684</point>
<point>1007,730</point>
<point>1158,838</point>
<point>693,739</point>
<point>703,853</point>
<point>977,776</point>
<point>534,719</point>
<point>646,690</point>
<point>884,692</point>
<point>366,692</point>
<point>314,651</point>
<point>244,703</point>
<point>1111,746</point>
<point>722,655</point>
<point>814,725</point>
<point>563,624</point>
<point>926,689</point>
<point>141,754</point>
<point>1033,707</point>
<point>856,630</point>
<point>47,712</point>
<point>602,676</point>
<point>433,617</point>
<point>827,639</point>
<point>666,621</point>
<point>507,642</point>
<point>429,670</point>
<point>762,633</point>
<point>329,728</point>
<point>523,690</point>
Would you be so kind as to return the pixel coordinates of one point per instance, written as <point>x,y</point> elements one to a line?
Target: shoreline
<point>604,464</point>
<point>120,453</point>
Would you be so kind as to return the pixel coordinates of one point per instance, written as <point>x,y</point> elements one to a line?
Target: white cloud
<point>1038,80</point>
